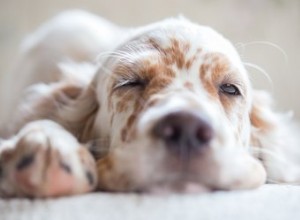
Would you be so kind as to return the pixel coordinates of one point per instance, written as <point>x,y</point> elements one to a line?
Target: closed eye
<point>130,83</point>
<point>230,89</point>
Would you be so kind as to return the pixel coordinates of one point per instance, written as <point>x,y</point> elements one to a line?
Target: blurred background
<point>265,32</point>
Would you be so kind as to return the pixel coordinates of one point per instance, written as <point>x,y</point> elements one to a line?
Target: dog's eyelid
<point>231,79</point>
<point>231,89</point>
<point>129,82</point>
<point>240,86</point>
<point>121,83</point>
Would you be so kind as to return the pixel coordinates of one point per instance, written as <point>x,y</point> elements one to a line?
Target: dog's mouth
<point>186,187</point>
<point>184,177</point>
<point>155,170</point>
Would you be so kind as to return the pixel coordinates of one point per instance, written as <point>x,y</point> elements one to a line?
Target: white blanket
<point>269,202</point>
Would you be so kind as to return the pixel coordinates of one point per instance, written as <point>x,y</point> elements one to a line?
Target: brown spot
<point>129,128</point>
<point>227,103</point>
<point>105,164</point>
<point>152,102</point>
<point>174,54</point>
<point>110,88</point>
<point>258,120</point>
<point>190,61</point>
<point>212,71</point>
<point>155,86</point>
<point>131,119</point>
<point>122,104</point>
<point>207,81</point>
<point>149,70</point>
<point>199,50</point>
<point>65,93</point>
<point>112,116</point>
<point>110,177</point>
<point>87,131</point>
<point>205,67</point>
<point>155,45</point>
<point>124,134</point>
<point>189,85</point>
<point>220,68</point>
<point>71,91</point>
<point>261,123</point>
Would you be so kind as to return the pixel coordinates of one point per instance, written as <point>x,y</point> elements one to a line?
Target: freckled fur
<point>182,65</point>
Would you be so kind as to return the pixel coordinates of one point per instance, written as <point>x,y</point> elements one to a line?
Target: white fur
<point>81,50</point>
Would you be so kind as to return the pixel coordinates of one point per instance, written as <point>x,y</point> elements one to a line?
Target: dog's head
<point>175,103</point>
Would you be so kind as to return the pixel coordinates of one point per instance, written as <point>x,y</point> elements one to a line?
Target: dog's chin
<point>178,188</point>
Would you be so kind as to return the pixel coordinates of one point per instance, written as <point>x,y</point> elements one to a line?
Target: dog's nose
<point>183,131</point>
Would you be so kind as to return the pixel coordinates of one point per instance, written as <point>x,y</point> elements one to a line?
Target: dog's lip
<point>181,188</point>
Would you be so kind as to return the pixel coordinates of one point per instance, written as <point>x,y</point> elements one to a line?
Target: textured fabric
<point>269,202</point>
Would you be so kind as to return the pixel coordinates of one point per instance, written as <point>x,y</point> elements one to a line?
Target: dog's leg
<point>45,160</point>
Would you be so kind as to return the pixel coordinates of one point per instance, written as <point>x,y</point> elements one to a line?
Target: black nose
<point>184,131</point>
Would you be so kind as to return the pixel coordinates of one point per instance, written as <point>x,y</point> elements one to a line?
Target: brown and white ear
<point>275,140</point>
<point>79,116</point>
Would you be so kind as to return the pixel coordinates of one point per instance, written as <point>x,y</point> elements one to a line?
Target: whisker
<point>261,70</point>
<point>267,43</point>
<point>243,46</point>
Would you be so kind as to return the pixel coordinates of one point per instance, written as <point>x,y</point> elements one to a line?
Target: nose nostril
<point>170,133</point>
<point>204,134</point>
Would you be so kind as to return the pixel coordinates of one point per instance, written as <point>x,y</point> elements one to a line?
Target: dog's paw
<point>44,160</point>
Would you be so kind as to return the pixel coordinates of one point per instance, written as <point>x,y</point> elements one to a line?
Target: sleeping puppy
<point>163,108</point>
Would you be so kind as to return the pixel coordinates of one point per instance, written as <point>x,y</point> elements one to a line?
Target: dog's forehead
<point>185,34</point>
<point>181,41</point>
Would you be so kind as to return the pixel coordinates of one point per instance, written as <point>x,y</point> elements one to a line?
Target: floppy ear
<point>275,140</point>
<point>79,115</point>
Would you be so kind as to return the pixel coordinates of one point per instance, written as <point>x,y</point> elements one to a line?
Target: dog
<point>166,107</point>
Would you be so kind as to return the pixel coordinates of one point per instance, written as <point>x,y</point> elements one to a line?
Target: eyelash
<point>130,83</point>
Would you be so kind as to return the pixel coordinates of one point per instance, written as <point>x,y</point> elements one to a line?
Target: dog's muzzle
<point>184,132</point>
